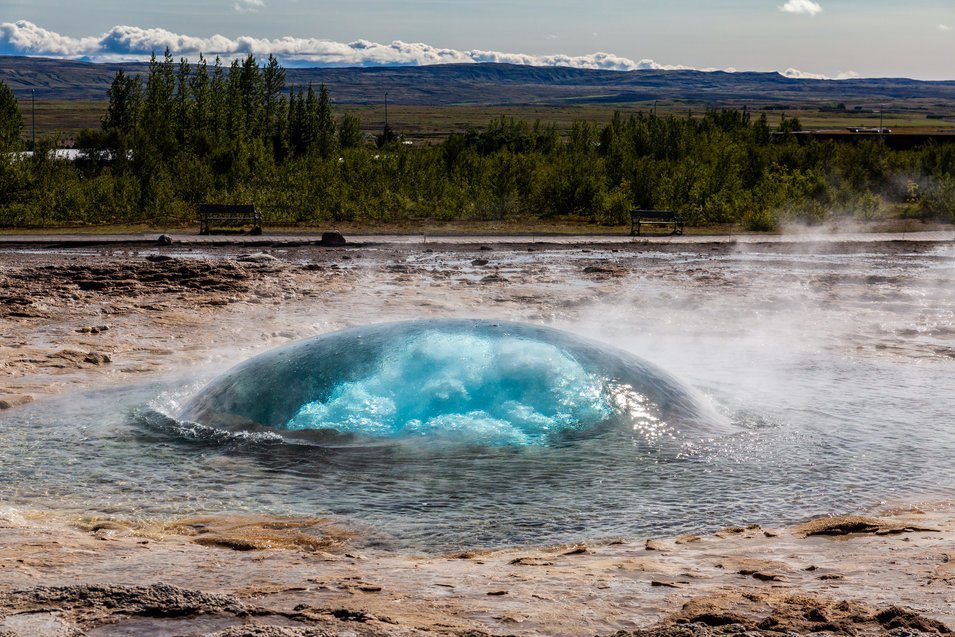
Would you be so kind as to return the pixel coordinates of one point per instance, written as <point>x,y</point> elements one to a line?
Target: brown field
<point>64,119</point>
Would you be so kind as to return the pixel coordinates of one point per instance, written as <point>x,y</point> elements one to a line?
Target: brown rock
<point>96,358</point>
<point>895,617</point>
<point>602,270</point>
<point>333,239</point>
<point>761,575</point>
<point>530,561</point>
<point>14,400</point>
<point>93,285</point>
<point>92,329</point>
<point>69,355</point>
<point>853,524</point>
<point>579,549</point>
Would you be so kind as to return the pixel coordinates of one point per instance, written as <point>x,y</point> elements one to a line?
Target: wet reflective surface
<point>833,371</point>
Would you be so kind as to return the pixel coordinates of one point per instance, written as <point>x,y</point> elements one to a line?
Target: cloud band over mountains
<point>123,43</point>
<point>126,42</point>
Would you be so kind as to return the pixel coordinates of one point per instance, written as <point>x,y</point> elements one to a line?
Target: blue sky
<point>829,37</point>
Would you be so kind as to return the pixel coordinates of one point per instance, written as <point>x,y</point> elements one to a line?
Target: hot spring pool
<point>440,434</point>
<point>772,384</point>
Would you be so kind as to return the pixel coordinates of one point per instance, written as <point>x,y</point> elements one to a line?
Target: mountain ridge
<point>499,84</point>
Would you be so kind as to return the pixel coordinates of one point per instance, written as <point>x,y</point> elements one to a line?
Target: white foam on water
<point>476,388</point>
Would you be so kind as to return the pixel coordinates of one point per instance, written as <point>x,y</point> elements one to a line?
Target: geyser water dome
<point>494,383</point>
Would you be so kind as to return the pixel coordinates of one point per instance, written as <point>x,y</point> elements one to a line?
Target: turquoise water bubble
<point>504,390</point>
<point>481,382</point>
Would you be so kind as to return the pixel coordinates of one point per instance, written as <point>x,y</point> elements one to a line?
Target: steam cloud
<point>122,43</point>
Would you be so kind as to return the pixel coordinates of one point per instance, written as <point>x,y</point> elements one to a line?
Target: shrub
<point>938,200</point>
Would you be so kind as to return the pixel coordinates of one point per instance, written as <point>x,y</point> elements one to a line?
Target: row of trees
<point>198,110</point>
<point>188,133</point>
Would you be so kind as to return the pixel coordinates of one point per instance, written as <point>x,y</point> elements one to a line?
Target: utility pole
<point>386,111</point>
<point>33,108</point>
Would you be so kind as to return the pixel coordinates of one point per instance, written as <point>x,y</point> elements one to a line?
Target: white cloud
<point>944,27</point>
<point>135,43</point>
<point>807,7</point>
<point>128,42</point>
<point>248,6</point>
<point>26,38</point>
<point>796,74</point>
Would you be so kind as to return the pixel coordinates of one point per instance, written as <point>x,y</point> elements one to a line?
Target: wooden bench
<point>219,215</point>
<point>655,218</point>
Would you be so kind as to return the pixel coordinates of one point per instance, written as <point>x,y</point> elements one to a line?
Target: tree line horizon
<point>198,133</point>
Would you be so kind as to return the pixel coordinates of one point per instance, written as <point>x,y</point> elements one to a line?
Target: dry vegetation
<point>432,124</point>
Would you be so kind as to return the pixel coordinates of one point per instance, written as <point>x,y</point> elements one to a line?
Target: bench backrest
<point>652,214</point>
<point>218,208</point>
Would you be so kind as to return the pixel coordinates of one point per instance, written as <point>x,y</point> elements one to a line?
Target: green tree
<point>273,83</point>
<point>252,93</point>
<point>789,125</point>
<point>938,200</point>
<point>125,97</point>
<point>11,121</point>
<point>280,137</point>
<point>235,105</point>
<point>309,119</point>
<point>293,128</point>
<point>217,102</point>
<point>159,108</point>
<point>200,121</point>
<point>761,132</point>
<point>184,104</point>
<point>349,131</point>
<point>326,137</point>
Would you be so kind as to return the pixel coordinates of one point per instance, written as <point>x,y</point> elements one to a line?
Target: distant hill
<point>507,84</point>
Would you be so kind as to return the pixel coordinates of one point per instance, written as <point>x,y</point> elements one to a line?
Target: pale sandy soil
<point>113,579</point>
<point>78,319</point>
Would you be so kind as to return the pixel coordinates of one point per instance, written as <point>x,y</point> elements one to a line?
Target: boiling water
<point>495,391</point>
<point>822,407</point>
<point>474,382</point>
